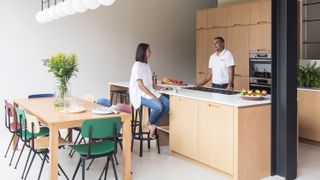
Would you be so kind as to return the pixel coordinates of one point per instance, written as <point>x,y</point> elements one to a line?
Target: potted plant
<point>308,76</point>
<point>64,67</point>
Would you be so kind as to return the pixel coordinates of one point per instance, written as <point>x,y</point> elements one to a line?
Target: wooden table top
<point>48,114</point>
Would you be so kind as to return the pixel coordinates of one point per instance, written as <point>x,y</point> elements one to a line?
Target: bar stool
<point>122,94</point>
<point>140,134</point>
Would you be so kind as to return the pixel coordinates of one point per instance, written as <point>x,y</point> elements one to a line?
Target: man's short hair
<point>219,38</point>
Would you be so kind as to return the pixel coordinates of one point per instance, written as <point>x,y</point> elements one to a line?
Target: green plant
<point>63,67</point>
<point>308,76</point>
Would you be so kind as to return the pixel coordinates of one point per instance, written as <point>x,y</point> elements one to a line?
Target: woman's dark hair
<point>141,52</point>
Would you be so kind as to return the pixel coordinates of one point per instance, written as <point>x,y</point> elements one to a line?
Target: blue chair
<point>40,95</point>
<point>103,102</point>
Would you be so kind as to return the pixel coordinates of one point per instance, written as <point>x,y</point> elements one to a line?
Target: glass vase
<point>62,92</point>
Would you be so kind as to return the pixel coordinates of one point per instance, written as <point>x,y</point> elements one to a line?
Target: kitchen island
<point>229,135</point>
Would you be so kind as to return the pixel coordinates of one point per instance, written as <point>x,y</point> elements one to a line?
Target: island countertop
<point>229,100</point>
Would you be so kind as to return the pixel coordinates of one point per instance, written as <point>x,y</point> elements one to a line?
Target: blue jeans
<point>158,110</point>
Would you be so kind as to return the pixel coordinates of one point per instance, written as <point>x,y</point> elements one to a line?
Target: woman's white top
<point>140,71</point>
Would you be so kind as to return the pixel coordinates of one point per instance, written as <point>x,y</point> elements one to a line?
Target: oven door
<point>260,68</point>
<point>260,87</point>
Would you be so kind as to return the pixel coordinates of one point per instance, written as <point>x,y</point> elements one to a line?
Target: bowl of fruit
<point>252,95</point>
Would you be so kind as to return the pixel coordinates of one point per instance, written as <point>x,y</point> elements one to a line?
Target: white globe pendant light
<point>46,16</point>
<point>52,13</point>
<point>79,6</point>
<point>68,8</point>
<point>91,4</point>
<point>39,17</point>
<point>59,10</point>
<point>106,2</point>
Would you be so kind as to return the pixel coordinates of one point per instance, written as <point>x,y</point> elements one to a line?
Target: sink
<point>213,90</point>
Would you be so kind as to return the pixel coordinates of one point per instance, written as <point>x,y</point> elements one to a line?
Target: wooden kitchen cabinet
<point>201,54</point>
<point>202,18</point>
<point>238,44</point>
<point>238,15</point>
<point>216,136</point>
<point>217,17</point>
<point>260,37</point>
<point>184,121</point>
<point>308,115</point>
<point>260,12</point>
<point>241,82</point>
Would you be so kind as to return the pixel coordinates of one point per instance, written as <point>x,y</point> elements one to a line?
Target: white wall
<point>104,39</point>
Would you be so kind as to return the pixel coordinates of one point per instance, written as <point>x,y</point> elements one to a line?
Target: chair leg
<point>24,145</point>
<point>14,151</point>
<point>64,173</point>
<point>149,144</point>
<point>105,169</point>
<point>115,158</point>
<point>114,168</point>
<point>158,144</point>
<point>25,166</point>
<point>120,144</point>
<point>90,164</point>
<point>77,168</point>
<point>34,155</point>
<point>42,164</point>
<point>75,142</point>
<point>83,168</point>
<point>9,145</point>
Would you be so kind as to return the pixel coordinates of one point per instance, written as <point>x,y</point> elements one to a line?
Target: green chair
<point>98,129</point>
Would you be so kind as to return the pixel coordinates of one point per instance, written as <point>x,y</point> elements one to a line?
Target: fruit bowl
<point>252,98</point>
<point>251,95</point>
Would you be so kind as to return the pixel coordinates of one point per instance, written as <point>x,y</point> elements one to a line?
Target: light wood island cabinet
<point>216,136</point>
<point>184,121</point>
<point>234,141</point>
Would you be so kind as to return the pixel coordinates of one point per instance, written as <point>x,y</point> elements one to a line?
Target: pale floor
<point>150,166</point>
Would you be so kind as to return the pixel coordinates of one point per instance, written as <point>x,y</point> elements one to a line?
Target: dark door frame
<point>284,88</point>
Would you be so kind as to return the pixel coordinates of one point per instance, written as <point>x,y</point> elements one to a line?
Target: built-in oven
<point>260,71</point>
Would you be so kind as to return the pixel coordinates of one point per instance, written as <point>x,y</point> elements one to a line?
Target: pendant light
<point>106,2</point>
<point>92,4</point>
<point>79,6</point>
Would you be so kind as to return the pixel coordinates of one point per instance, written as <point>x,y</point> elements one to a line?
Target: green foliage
<point>64,67</point>
<point>308,76</point>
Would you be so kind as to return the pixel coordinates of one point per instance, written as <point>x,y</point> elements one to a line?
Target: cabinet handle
<point>262,22</point>
<point>213,106</point>
<point>201,72</point>
<point>237,74</point>
<point>183,100</point>
<point>262,49</point>
<point>236,24</point>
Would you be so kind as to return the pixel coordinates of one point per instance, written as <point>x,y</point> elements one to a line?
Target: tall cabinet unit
<point>245,27</point>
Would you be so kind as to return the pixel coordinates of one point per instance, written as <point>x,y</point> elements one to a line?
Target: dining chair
<point>38,145</point>
<point>13,127</point>
<point>40,95</point>
<point>98,129</point>
<point>25,136</point>
<point>103,102</point>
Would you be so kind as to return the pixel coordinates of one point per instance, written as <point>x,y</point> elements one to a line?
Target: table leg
<point>126,174</point>
<point>15,139</point>
<point>53,154</point>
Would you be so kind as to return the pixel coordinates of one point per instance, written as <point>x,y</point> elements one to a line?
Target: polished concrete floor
<point>151,166</point>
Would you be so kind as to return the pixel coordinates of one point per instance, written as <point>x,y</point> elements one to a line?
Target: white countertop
<point>230,100</point>
<point>309,89</point>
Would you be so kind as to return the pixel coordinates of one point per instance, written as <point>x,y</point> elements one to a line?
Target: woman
<point>141,89</point>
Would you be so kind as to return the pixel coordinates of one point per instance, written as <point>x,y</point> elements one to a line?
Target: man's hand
<point>198,84</point>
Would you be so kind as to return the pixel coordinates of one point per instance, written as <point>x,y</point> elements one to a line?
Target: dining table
<point>55,119</point>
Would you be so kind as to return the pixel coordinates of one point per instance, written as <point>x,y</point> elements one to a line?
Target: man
<point>221,67</point>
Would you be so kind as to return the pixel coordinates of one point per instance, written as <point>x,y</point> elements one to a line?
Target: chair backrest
<point>32,121</point>
<point>103,102</point>
<point>101,128</point>
<point>21,117</point>
<point>89,97</point>
<point>40,95</point>
<point>126,108</point>
<point>8,113</point>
